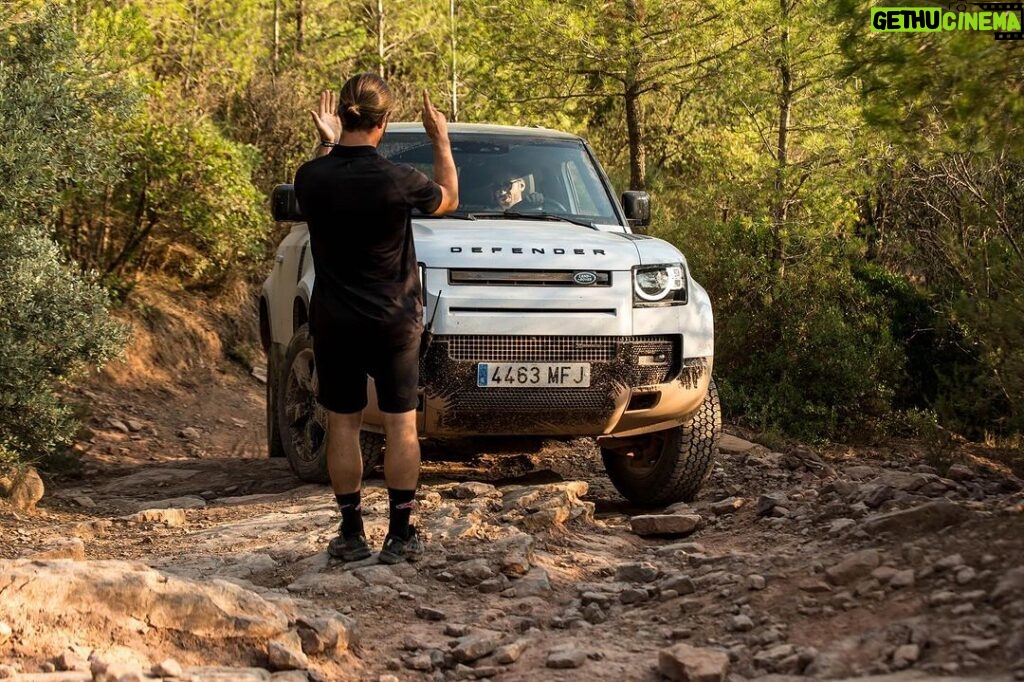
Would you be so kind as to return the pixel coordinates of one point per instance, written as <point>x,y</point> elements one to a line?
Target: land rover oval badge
<point>584,277</point>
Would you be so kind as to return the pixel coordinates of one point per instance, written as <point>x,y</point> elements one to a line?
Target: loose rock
<point>728,505</point>
<point>23,489</point>
<point>903,578</point>
<point>510,653</point>
<point>636,573</point>
<point>566,658</point>
<point>70,660</point>
<point>756,582</point>
<point>685,663</point>
<point>905,656</point>
<point>70,548</point>
<point>1010,586</point>
<point>853,567</point>
<point>766,503</point>
<point>172,518</point>
<point>664,524</point>
<point>476,646</point>
<point>926,518</point>
<point>285,652</point>
<point>429,613</point>
<point>168,668</point>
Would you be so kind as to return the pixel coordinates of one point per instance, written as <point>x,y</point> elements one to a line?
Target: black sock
<point>400,504</point>
<point>351,514</point>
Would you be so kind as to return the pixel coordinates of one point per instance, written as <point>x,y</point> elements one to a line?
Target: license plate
<point>532,374</point>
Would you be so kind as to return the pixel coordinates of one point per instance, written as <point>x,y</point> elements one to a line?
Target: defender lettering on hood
<point>532,250</point>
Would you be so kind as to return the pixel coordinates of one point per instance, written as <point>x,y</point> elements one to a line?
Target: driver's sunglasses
<point>507,185</point>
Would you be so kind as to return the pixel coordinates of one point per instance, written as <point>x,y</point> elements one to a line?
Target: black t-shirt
<point>357,205</point>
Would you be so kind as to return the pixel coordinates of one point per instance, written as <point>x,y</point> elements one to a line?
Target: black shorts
<point>344,359</point>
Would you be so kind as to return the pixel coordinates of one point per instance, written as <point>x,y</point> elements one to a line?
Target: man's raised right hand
<point>434,122</point>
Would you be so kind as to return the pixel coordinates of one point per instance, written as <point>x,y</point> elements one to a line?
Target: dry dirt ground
<point>178,539</point>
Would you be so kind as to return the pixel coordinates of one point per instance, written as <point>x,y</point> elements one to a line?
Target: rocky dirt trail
<point>179,551</point>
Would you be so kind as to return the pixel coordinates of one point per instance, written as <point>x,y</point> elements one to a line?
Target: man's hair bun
<point>365,101</point>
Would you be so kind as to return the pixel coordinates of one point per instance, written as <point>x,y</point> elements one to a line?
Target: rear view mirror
<point>284,206</point>
<point>637,206</point>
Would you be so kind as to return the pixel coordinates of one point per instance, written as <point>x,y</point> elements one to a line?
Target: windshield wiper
<point>457,216</point>
<point>532,216</point>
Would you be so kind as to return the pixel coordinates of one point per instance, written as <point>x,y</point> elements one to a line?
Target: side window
<point>579,190</point>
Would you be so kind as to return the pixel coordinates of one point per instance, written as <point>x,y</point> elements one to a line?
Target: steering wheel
<point>538,203</point>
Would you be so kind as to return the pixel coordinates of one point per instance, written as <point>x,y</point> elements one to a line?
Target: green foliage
<point>55,113</point>
<point>811,353</point>
<point>55,324</point>
<point>948,87</point>
<point>192,193</point>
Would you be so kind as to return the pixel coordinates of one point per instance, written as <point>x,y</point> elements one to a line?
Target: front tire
<point>302,421</point>
<point>669,466</point>
<point>275,445</point>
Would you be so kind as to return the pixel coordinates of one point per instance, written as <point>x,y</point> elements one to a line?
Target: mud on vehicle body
<point>549,318</point>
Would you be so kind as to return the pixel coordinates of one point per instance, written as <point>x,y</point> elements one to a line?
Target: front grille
<point>532,278</point>
<point>532,399</point>
<point>539,411</point>
<point>532,348</point>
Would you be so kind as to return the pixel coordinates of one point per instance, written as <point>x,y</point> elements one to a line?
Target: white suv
<point>552,318</point>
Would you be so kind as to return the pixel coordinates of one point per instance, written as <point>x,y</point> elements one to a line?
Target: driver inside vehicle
<point>509,192</point>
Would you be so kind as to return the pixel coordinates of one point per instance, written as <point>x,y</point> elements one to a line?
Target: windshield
<point>525,175</point>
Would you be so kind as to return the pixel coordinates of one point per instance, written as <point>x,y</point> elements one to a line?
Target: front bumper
<point>638,384</point>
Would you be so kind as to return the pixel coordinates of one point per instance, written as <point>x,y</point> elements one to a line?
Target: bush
<point>55,325</point>
<point>810,353</point>
<point>55,137</point>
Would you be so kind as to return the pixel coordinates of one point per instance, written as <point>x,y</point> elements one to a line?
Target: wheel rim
<point>306,419</point>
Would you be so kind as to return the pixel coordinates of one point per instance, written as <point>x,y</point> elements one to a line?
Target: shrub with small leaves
<point>55,325</point>
<point>54,137</point>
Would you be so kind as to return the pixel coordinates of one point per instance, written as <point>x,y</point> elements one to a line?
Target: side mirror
<point>637,206</point>
<point>284,206</point>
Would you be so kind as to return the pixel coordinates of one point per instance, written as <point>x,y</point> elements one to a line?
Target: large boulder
<point>925,518</point>
<point>119,594</point>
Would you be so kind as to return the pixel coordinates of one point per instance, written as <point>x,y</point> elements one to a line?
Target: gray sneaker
<point>396,550</point>
<point>351,549</point>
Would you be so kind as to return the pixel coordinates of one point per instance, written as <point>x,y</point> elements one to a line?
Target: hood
<point>657,251</point>
<point>520,244</point>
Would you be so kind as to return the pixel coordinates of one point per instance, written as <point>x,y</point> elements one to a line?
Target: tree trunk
<point>299,19</point>
<point>780,211</point>
<point>276,52</point>
<point>634,114</point>
<point>380,38</point>
<point>455,78</point>
<point>634,134</point>
<point>192,48</point>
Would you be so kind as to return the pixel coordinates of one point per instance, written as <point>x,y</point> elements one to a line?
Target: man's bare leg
<point>402,450</point>
<point>402,473</point>
<point>345,466</point>
<point>344,456</point>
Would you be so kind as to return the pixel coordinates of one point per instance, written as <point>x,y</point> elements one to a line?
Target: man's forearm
<point>445,175</point>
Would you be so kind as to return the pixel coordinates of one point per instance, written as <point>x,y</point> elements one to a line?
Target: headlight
<point>659,284</point>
